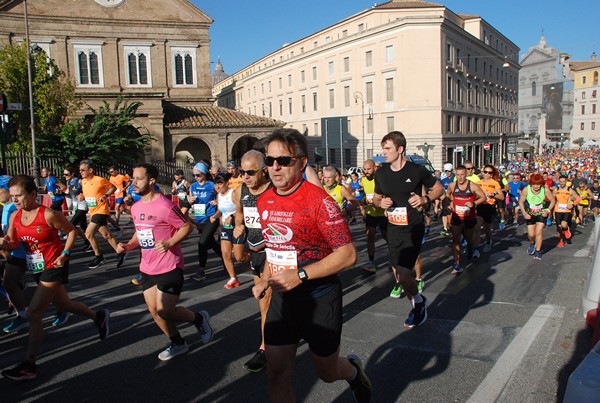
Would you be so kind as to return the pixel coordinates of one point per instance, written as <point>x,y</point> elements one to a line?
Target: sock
<point>177,339</point>
<point>418,299</point>
<point>198,319</point>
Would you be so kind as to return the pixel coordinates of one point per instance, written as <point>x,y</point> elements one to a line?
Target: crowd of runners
<point>291,223</point>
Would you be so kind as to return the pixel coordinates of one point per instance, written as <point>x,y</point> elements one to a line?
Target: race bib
<point>357,193</point>
<point>91,202</point>
<point>536,209</point>
<point>182,195</point>
<point>51,194</point>
<point>199,210</point>
<point>251,218</point>
<point>398,216</point>
<point>145,238</point>
<point>562,207</point>
<point>462,211</point>
<point>278,260</point>
<point>35,262</point>
<point>370,197</point>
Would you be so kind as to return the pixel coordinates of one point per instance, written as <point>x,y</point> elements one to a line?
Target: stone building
<point>586,116</point>
<point>447,80</point>
<point>153,51</point>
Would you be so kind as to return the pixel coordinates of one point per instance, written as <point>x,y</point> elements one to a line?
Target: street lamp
<point>358,95</point>
<point>36,171</point>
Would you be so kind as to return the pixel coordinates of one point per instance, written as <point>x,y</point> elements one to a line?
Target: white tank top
<point>226,205</point>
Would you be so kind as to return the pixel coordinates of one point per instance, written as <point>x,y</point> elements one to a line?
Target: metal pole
<point>36,171</point>
<point>341,147</point>
<point>326,145</point>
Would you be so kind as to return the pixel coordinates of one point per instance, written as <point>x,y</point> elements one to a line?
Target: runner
<point>338,192</point>
<point>566,198</point>
<point>448,178</point>
<point>359,194</point>
<point>204,205</point>
<point>37,227</point>
<point>160,226</point>
<point>235,180</point>
<point>308,242</point>
<point>53,189</point>
<point>486,211</point>
<point>536,211</point>
<point>513,188</point>
<point>471,175</point>
<point>80,208</point>
<point>374,216</point>
<point>465,196</point>
<point>96,191</point>
<point>396,186</point>
<point>120,182</point>
<point>181,188</point>
<point>582,208</point>
<point>595,204</point>
<point>247,221</point>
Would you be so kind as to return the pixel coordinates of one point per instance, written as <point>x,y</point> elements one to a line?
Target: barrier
<point>591,298</point>
<point>47,202</point>
<point>584,382</point>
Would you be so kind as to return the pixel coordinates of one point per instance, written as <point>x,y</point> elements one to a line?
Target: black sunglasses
<point>469,167</point>
<point>284,161</point>
<point>249,172</point>
<point>488,172</point>
<point>197,175</point>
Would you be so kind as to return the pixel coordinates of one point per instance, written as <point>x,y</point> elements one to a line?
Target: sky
<point>244,31</point>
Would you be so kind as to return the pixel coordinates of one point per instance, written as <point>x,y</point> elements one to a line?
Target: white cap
<point>448,167</point>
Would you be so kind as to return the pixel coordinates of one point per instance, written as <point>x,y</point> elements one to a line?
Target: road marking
<point>501,373</point>
<point>585,251</point>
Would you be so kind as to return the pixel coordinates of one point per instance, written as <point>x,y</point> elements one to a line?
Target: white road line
<point>494,383</point>
<point>585,251</point>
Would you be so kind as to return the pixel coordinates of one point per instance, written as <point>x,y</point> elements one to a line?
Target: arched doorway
<point>242,145</point>
<point>191,150</point>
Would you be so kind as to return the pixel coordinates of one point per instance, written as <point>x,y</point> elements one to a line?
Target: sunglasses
<point>447,170</point>
<point>249,172</point>
<point>197,175</point>
<point>469,167</point>
<point>284,161</point>
<point>66,174</point>
<point>488,172</point>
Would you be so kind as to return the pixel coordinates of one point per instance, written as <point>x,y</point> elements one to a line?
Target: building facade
<point>153,51</point>
<point>586,116</point>
<point>447,81</point>
<point>545,97</point>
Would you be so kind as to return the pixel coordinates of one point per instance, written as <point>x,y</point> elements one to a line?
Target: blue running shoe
<point>60,319</point>
<point>531,249</point>
<point>427,230</point>
<point>502,224</point>
<point>549,222</point>
<point>457,268</point>
<point>537,255</point>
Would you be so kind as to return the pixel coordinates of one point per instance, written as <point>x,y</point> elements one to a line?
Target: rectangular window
<point>290,106</point>
<point>477,96</point>
<point>369,91</point>
<point>269,86</point>
<point>582,126</point>
<point>315,105</point>
<point>302,77</point>
<point>583,109</point>
<point>344,33</point>
<point>389,54</point>
<point>594,94</point>
<point>346,64</point>
<point>370,126</point>
<point>314,73</point>
<point>448,54</point>
<point>289,80</point>
<point>331,98</point>
<point>390,123</point>
<point>88,59</point>
<point>458,124</point>
<point>330,69</point>
<point>594,108</point>
<point>281,107</point>
<point>303,98</point>
<point>476,126</point>
<point>347,156</point>
<point>184,66</point>
<point>449,88</point>
<point>361,27</point>
<point>593,125</point>
<point>347,96</point>
<point>389,89</point>
<point>449,124</point>
<point>262,88</point>
<point>458,91</point>
<point>138,66</point>
<point>280,80</point>
<point>316,129</point>
<point>368,58</point>
<point>469,93</point>
<point>583,95</point>
<point>469,124</point>
<point>583,79</point>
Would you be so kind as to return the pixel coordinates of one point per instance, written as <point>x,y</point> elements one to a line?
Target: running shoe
<point>60,318</point>
<point>502,224</point>
<point>476,253</point>
<point>420,285</point>
<point>199,276</point>
<point>537,255</point>
<point>232,283</point>
<point>531,249</point>
<point>25,371</point>
<point>361,384</point>
<point>102,320</point>
<point>396,291</point>
<point>457,268</point>
<point>370,267</point>
<point>137,280</point>
<point>257,362</point>
<point>463,243</point>
<point>567,233</point>
<point>204,327</point>
<point>560,244</point>
<point>549,222</point>
<point>487,246</point>
<point>17,324</point>
<point>173,350</point>
<point>444,232</point>
<point>122,259</point>
<point>97,262</point>
<point>423,240</point>
<point>418,315</point>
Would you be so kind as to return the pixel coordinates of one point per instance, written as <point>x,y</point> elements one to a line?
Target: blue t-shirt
<point>6,213</point>
<point>136,197</point>
<point>358,195</point>
<point>202,208</point>
<point>52,188</point>
<point>447,181</point>
<point>4,181</point>
<point>514,189</point>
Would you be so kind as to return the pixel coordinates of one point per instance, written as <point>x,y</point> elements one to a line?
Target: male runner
<point>374,216</point>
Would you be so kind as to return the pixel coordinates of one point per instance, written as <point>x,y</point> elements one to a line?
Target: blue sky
<point>243,31</point>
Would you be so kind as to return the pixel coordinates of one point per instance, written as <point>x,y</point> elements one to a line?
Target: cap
<point>179,172</point>
<point>222,178</point>
<point>201,167</point>
<point>448,167</point>
<point>231,164</point>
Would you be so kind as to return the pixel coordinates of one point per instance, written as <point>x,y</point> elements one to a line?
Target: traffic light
<point>9,132</point>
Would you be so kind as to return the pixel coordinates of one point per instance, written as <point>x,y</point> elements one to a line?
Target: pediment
<point>536,56</point>
<point>140,10</point>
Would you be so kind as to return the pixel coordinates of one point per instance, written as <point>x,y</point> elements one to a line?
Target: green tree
<point>109,137</point>
<point>579,141</point>
<point>53,94</point>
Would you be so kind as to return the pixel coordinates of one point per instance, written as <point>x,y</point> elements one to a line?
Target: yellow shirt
<point>336,194</point>
<point>369,188</point>
<point>474,178</point>
<point>235,183</point>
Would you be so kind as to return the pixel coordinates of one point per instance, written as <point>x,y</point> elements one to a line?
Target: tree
<point>109,137</point>
<point>53,94</point>
<point>579,141</point>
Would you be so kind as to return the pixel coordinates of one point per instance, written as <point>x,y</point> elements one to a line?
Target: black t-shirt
<point>399,186</point>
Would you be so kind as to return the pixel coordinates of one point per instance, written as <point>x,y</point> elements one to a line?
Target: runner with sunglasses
<point>536,211</point>
<point>486,211</point>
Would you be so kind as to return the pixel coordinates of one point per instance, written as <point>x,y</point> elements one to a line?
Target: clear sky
<point>243,31</point>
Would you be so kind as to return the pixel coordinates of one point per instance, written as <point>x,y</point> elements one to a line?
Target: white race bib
<point>278,260</point>
<point>145,238</point>
<point>398,216</point>
<point>536,209</point>
<point>91,202</point>
<point>199,210</point>
<point>35,262</point>
<point>251,218</point>
<point>182,195</point>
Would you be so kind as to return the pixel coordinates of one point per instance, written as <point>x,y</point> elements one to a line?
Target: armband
<point>66,252</point>
<point>576,201</point>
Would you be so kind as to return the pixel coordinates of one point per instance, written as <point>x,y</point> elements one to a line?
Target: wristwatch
<point>66,252</point>
<point>302,275</point>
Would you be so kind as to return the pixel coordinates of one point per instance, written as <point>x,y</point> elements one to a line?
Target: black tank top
<point>254,238</point>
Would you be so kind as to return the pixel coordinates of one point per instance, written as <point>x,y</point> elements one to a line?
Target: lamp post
<point>36,171</point>
<point>358,95</point>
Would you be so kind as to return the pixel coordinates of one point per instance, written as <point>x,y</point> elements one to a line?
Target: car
<point>417,159</point>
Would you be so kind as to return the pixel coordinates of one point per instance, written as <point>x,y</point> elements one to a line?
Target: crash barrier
<point>584,382</point>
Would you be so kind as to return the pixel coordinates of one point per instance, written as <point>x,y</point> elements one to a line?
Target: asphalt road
<point>508,329</point>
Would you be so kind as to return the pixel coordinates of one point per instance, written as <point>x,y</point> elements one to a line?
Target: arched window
<point>533,89</point>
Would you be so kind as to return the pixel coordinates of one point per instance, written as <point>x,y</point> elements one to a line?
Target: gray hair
<point>330,170</point>
<point>257,156</point>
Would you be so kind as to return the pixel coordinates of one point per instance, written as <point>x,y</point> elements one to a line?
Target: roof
<point>577,66</point>
<point>407,4</point>
<point>180,117</point>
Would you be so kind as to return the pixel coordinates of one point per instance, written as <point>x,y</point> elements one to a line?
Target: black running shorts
<point>257,261</point>
<point>535,219</point>
<point>100,219</point>
<point>404,245</point>
<point>316,320</point>
<point>54,275</point>
<point>560,217</point>
<point>487,212</point>
<point>376,221</point>
<point>170,282</point>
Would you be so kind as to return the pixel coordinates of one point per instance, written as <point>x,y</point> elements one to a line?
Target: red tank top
<point>460,198</point>
<point>38,238</point>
